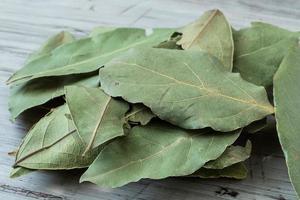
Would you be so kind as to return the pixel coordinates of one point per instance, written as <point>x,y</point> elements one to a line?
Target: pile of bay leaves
<point>164,102</point>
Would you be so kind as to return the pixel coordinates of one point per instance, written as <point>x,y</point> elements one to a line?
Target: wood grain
<point>25,24</point>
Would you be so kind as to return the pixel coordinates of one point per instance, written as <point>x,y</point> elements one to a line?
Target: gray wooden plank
<point>25,24</point>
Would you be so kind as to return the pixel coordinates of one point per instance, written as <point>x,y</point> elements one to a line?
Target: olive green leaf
<point>52,43</point>
<point>191,89</point>
<point>37,92</point>
<point>231,156</point>
<point>139,114</point>
<point>236,171</point>
<point>20,171</point>
<point>259,51</point>
<point>211,33</point>
<point>42,90</point>
<point>53,144</point>
<point>98,117</point>
<point>287,109</point>
<point>88,54</point>
<point>155,151</point>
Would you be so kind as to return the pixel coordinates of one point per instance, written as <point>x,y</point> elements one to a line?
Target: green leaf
<point>236,171</point>
<point>287,109</point>
<point>37,92</point>
<point>231,156</point>
<point>52,43</point>
<point>190,89</point>
<point>40,91</point>
<point>88,54</point>
<point>98,117</point>
<point>156,151</point>
<point>259,51</point>
<point>139,114</point>
<point>211,33</point>
<point>20,171</point>
<point>54,144</point>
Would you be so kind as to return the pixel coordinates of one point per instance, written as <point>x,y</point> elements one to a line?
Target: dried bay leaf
<point>53,144</point>
<point>236,171</point>
<point>287,109</point>
<point>259,51</point>
<point>139,114</point>
<point>231,156</point>
<point>190,89</point>
<point>20,171</point>
<point>166,151</point>
<point>52,43</point>
<point>39,91</point>
<point>211,33</point>
<point>88,54</point>
<point>98,117</point>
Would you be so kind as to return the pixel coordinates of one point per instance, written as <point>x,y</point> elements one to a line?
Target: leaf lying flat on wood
<point>231,156</point>
<point>287,104</point>
<point>88,54</point>
<point>259,51</point>
<point>20,171</point>
<point>236,171</point>
<point>54,144</point>
<point>188,88</point>
<point>39,91</point>
<point>157,150</point>
<point>211,33</point>
<point>139,114</point>
<point>98,117</point>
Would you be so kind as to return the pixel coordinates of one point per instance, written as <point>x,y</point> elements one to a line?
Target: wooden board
<point>25,24</point>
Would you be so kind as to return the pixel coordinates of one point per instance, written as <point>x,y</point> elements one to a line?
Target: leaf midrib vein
<point>85,61</point>
<point>197,86</point>
<point>211,17</point>
<point>165,148</point>
<point>94,134</point>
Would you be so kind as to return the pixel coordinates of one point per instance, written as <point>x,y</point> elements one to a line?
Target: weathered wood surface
<point>25,24</point>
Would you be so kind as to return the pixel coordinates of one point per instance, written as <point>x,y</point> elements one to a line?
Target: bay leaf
<point>157,150</point>
<point>98,117</point>
<point>287,109</point>
<point>211,33</point>
<point>231,156</point>
<point>53,42</point>
<point>139,114</point>
<point>39,91</point>
<point>20,171</point>
<point>88,54</point>
<point>259,51</point>
<point>53,144</point>
<point>190,89</point>
<point>236,171</point>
